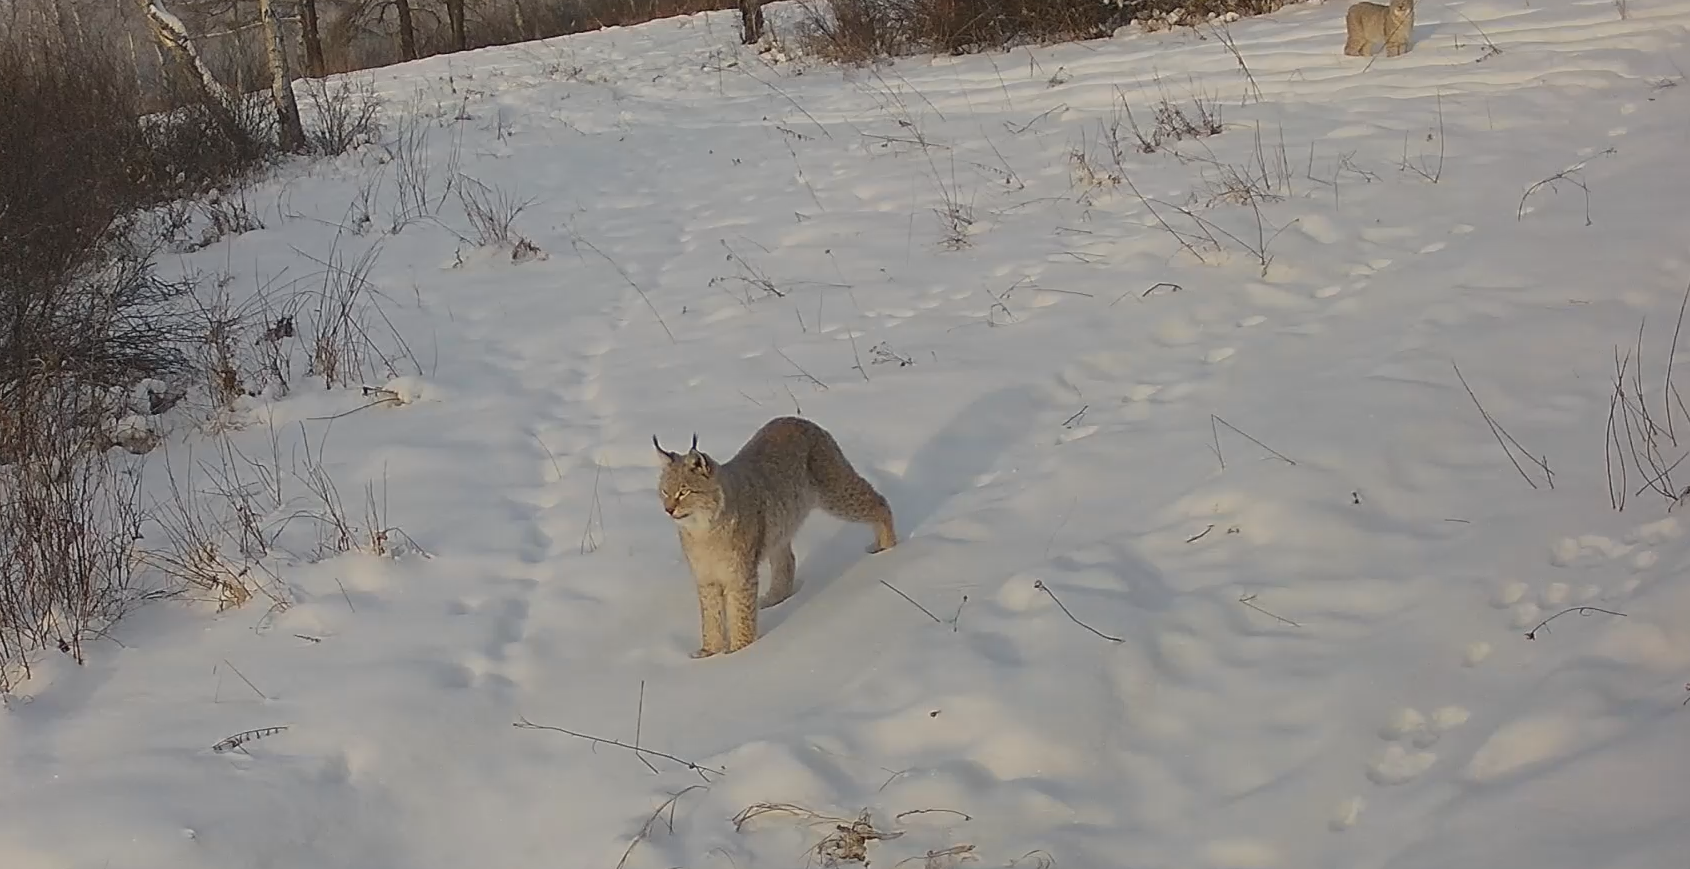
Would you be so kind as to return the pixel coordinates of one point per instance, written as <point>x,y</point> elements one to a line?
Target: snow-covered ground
<point>1304,564</point>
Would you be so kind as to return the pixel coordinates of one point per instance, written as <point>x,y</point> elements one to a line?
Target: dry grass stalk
<point>650,825</point>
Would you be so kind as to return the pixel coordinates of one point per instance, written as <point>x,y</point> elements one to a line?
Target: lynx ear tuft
<point>661,451</point>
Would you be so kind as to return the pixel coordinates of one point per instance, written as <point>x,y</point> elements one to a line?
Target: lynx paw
<point>704,653</point>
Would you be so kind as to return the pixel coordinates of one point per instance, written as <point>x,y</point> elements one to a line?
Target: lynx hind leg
<point>1356,43</point>
<point>782,567</point>
<point>843,492</point>
<point>741,606</point>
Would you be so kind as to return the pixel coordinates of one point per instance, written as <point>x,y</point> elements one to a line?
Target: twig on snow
<point>1215,433</point>
<point>1040,585</point>
<point>1498,432</point>
<point>1581,610</point>
<point>236,741</point>
<point>703,771</point>
<point>1250,601</point>
<point>925,611</point>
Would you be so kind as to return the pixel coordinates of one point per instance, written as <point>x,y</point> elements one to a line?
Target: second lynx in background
<point>1368,23</point>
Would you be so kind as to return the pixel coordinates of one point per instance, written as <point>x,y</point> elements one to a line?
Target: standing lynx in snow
<point>1367,23</point>
<point>734,515</point>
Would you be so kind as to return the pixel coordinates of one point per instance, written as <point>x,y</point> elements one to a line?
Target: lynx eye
<point>683,492</point>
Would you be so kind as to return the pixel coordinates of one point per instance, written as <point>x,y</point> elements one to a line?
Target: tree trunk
<point>407,31</point>
<point>291,132</point>
<point>455,14</point>
<point>311,36</point>
<point>172,34</point>
<point>751,21</point>
<point>521,20</point>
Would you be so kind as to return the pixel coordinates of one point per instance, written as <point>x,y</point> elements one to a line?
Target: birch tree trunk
<point>291,133</point>
<point>172,34</point>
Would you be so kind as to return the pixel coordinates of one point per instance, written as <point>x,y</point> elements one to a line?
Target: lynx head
<point>688,485</point>
<point>1402,10</point>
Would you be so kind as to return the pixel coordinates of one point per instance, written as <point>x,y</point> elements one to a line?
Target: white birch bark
<point>173,34</point>
<point>291,131</point>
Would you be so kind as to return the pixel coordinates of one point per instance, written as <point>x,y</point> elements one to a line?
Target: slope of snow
<point>1304,566</point>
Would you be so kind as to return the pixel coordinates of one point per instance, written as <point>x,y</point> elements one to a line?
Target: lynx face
<point>687,483</point>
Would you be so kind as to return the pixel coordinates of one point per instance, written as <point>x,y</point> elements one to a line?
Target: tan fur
<point>734,515</point>
<point>1367,23</point>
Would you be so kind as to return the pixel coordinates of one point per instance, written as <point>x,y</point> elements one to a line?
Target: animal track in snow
<point>1410,733</point>
<point>1397,765</point>
<point>1346,814</point>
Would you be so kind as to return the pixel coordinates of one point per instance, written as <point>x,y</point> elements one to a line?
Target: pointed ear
<point>661,451</point>
<point>700,462</point>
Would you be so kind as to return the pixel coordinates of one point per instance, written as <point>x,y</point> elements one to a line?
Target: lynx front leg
<point>710,601</point>
<point>741,600</point>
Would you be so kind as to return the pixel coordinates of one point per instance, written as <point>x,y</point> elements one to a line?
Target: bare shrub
<point>226,214</point>
<point>347,333</point>
<point>193,551</point>
<point>67,523</point>
<point>856,31</point>
<point>859,31</point>
<point>84,320</point>
<point>1642,444</point>
<point>345,115</point>
<point>491,212</point>
<point>853,31</point>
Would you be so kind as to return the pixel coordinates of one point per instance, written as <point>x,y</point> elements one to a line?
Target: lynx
<point>1367,23</point>
<point>734,515</point>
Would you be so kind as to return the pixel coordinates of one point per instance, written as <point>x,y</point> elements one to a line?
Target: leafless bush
<point>1641,441</point>
<point>854,31</point>
<point>349,337</point>
<point>1173,122</point>
<point>860,31</point>
<point>212,542</point>
<point>492,212</point>
<point>67,522</point>
<point>226,214</point>
<point>345,115</point>
<point>338,530</point>
<point>225,519</point>
<point>415,198</point>
<point>1155,15</point>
